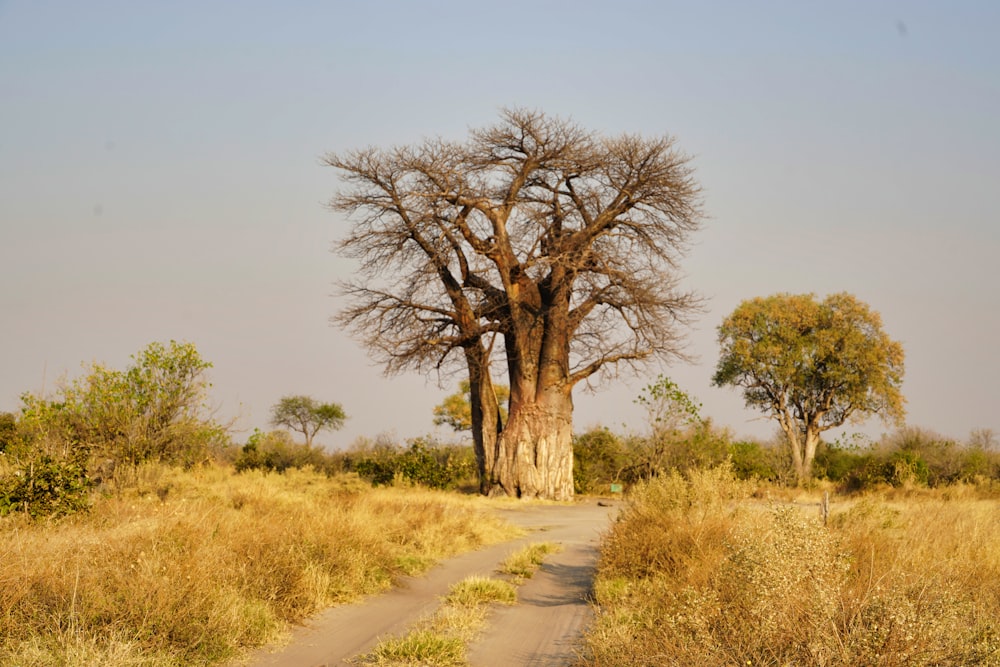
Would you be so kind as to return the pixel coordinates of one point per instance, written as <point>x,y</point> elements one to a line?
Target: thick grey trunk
<point>535,452</point>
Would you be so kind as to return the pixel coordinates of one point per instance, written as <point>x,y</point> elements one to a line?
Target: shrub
<point>150,411</point>
<point>688,577</point>
<point>599,456</point>
<point>423,462</point>
<point>8,431</point>
<point>751,460</point>
<point>44,487</point>
<point>275,451</point>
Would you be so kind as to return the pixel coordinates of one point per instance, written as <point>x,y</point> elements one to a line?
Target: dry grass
<point>441,639</point>
<point>191,568</point>
<point>522,564</point>
<point>476,591</point>
<point>691,577</point>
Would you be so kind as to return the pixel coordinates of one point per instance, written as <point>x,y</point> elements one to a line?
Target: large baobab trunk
<point>533,457</point>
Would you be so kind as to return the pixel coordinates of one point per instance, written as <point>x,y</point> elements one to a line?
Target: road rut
<point>542,630</point>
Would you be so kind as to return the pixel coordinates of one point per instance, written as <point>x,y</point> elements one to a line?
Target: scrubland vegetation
<point>133,531</point>
<point>191,567</point>
<point>905,457</point>
<point>697,571</point>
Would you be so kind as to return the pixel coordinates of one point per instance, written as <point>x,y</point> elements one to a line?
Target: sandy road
<point>541,630</point>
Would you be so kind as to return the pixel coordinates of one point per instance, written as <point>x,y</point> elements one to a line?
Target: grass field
<point>191,568</point>
<point>699,572</point>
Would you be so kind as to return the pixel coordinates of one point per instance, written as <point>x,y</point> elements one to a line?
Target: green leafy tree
<point>307,416</point>
<point>104,422</point>
<point>678,437</point>
<point>811,366</point>
<point>456,409</point>
<point>668,408</point>
<point>155,409</point>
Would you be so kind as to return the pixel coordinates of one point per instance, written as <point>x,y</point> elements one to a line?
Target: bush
<point>277,452</point>
<point>599,456</point>
<point>44,487</point>
<point>908,457</point>
<point>8,431</point>
<point>423,462</point>
<point>152,411</point>
<point>751,460</point>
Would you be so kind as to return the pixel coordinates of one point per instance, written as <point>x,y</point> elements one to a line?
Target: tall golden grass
<point>193,567</point>
<point>698,573</point>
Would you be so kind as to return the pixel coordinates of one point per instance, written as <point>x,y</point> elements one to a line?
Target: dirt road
<point>541,630</point>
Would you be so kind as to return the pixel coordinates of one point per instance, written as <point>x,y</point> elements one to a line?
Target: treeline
<point>92,434</point>
<point>909,456</point>
<point>421,461</point>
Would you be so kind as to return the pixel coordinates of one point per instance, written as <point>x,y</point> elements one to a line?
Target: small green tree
<point>811,365</point>
<point>678,438</point>
<point>307,416</point>
<point>456,409</point>
<point>152,410</point>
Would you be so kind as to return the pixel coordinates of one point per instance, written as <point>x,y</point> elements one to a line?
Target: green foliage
<point>276,452</point>
<point>150,411</point>
<point>456,409</point>
<point>811,365</point>
<point>108,421</point>
<point>599,456</point>
<point>668,407</point>
<point>423,462</point>
<point>906,468</point>
<point>678,438</point>
<point>8,431</point>
<point>44,486</point>
<point>751,460</point>
<point>847,464</point>
<point>907,457</point>
<point>307,416</point>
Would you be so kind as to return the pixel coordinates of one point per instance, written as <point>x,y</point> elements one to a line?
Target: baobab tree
<point>535,244</point>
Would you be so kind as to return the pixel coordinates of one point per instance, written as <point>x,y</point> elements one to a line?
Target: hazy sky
<point>160,177</point>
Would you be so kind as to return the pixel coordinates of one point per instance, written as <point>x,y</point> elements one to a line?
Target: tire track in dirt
<point>541,630</point>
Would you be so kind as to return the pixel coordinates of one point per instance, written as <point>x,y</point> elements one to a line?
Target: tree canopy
<point>536,244</point>
<point>307,416</point>
<point>456,409</point>
<point>811,365</point>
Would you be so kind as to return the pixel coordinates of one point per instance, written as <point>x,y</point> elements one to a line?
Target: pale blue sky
<point>160,178</point>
